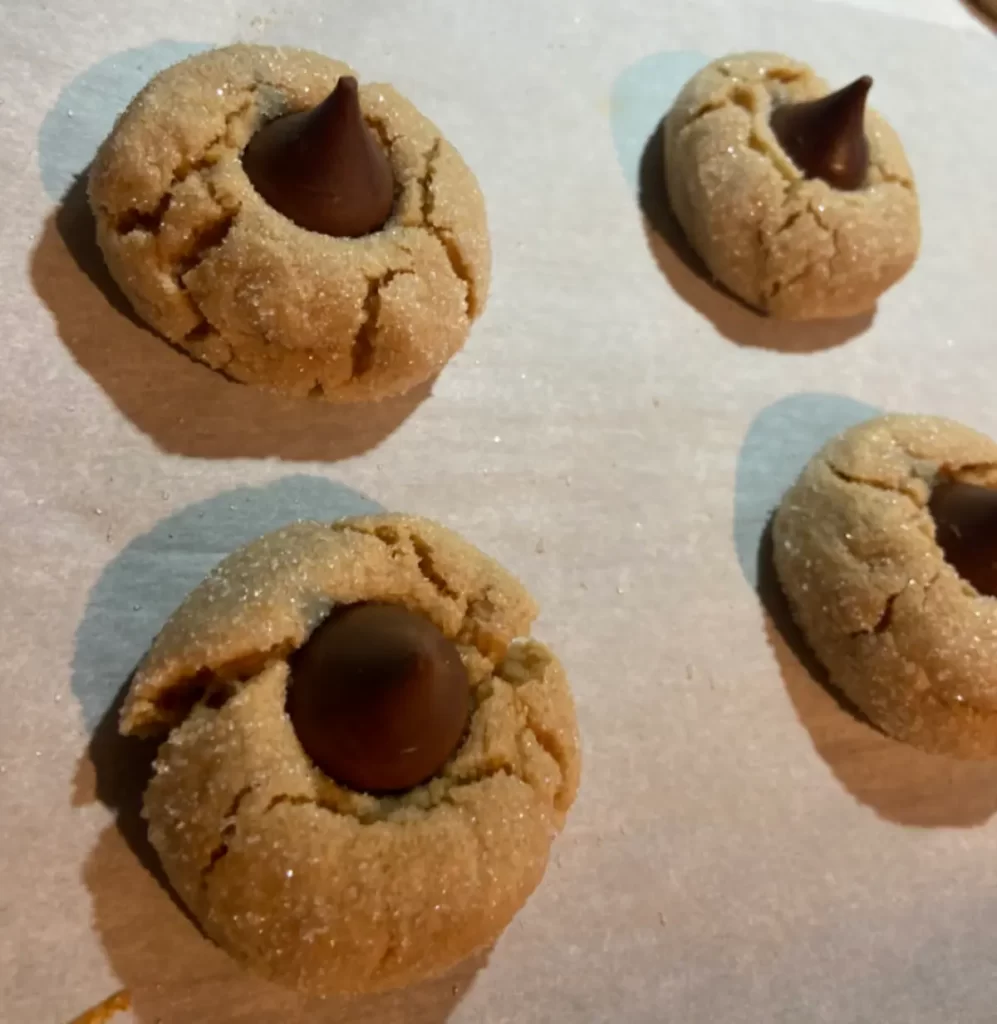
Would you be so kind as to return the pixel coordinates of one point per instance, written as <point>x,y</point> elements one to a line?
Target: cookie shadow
<point>901,784</point>
<point>156,949</point>
<point>184,407</point>
<point>687,274</point>
<point>142,585</point>
<point>175,976</point>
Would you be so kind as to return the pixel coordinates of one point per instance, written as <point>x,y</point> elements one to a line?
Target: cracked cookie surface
<point>310,883</point>
<point>792,247</point>
<point>208,263</point>
<point>908,641</point>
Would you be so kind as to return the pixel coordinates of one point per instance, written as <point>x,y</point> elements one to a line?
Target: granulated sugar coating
<point>206,261</point>
<point>314,885</point>
<point>907,640</point>
<point>792,247</point>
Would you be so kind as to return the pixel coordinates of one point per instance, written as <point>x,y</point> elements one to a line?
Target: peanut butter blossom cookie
<point>290,228</point>
<point>886,548</point>
<point>365,755</point>
<point>800,201</point>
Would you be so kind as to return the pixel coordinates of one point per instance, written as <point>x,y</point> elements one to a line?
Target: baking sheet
<point>616,432</point>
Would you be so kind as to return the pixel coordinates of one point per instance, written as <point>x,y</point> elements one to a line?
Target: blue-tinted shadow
<point>142,585</point>
<point>779,443</point>
<point>640,98</point>
<point>86,108</point>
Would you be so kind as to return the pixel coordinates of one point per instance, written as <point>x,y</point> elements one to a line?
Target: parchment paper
<point>616,432</point>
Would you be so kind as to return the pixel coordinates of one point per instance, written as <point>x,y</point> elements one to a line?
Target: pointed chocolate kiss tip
<point>826,138</point>
<point>323,168</point>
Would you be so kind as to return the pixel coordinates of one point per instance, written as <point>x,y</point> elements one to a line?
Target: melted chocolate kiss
<point>966,529</point>
<point>323,168</point>
<point>379,698</point>
<point>825,138</point>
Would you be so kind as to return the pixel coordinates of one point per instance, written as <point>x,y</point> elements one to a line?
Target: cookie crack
<point>556,753</point>
<point>785,75</point>
<point>379,126</point>
<point>833,234</point>
<point>237,800</point>
<point>780,284</point>
<point>885,620</point>
<point>205,239</point>
<point>969,472</point>
<point>419,547</point>
<point>451,247</point>
<point>859,481</point>
<point>202,333</point>
<point>228,830</point>
<point>295,799</point>
<point>707,107</point>
<point>343,808</point>
<point>391,947</point>
<point>891,178</point>
<point>208,239</point>
<point>151,221</point>
<point>424,553</point>
<point>219,853</point>
<point>363,348</point>
<point>787,223</point>
<point>385,807</point>
<point>387,535</point>
<point>548,742</point>
<point>214,685</point>
<point>954,703</point>
<point>477,631</point>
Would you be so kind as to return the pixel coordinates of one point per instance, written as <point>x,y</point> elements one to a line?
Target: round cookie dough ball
<point>790,245</point>
<point>861,553</point>
<point>210,264</point>
<point>313,883</point>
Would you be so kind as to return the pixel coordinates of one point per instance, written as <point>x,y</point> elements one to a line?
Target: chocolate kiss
<point>825,138</point>
<point>323,168</point>
<point>379,698</point>
<point>966,530</point>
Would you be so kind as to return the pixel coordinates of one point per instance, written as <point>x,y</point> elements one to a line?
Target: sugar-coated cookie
<point>886,548</point>
<point>791,205</point>
<point>348,307</point>
<point>316,883</point>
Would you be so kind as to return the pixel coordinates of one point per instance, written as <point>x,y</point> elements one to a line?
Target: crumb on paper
<point>103,1012</point>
